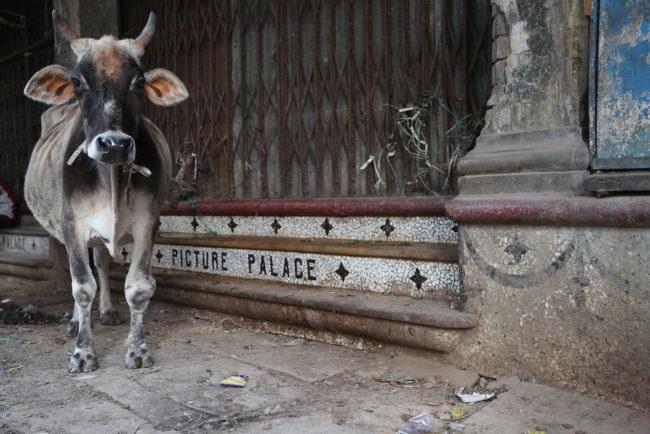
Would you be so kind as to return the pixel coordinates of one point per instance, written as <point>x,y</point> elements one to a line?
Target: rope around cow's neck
<point>129,168</point>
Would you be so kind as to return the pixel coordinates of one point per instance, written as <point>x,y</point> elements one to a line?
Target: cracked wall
<point>568,307</point>
<point>539,65</point>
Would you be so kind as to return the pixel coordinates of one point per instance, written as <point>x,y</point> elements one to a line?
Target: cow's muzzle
<point>112,148</point>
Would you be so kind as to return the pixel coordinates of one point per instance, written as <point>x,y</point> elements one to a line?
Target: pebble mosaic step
<point>414,256</point>
<point>32,241</point>
<point>380,275</point>
<point>393,229</point>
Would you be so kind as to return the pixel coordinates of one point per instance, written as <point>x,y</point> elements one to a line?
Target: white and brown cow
<point>99,173</point>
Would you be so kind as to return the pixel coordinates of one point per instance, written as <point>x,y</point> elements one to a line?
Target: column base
<point>531,162</point>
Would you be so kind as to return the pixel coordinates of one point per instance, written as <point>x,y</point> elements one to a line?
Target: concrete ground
<point>295,385</point>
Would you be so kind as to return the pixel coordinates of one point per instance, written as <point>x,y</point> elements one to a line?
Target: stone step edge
<point>424,312</point>
<point>433,252</point>
<point>25,265</point>
<point>31,231</point>
<point>181,291</point>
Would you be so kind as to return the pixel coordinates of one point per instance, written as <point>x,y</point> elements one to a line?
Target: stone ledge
<point>533,151</point>
<point>325,207</point>
<point>551,210</point>
<point>439,252</point>
<point>530,182</point>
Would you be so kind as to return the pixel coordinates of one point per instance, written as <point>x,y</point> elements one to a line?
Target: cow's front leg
<point>139,287</point>
<point>84,287</point>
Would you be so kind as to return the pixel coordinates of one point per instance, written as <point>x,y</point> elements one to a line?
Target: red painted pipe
<point>553,211</point>
<point>327,207</point>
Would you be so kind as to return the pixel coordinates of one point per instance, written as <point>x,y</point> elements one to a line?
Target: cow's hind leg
<point>107,315</point>
<point>139,287</point>
<point>73,324</point>
<point>84,287</point>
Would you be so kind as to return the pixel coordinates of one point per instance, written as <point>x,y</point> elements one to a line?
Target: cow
<point>99,173</point>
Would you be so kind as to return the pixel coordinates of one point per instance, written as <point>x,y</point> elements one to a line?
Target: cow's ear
<point>164,88</point>
<point>51,85</point>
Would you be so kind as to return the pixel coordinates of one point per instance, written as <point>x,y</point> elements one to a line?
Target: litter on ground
<point>469,398</point>
<point>234,381</point>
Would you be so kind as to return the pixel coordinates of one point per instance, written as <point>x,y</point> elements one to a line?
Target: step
<point>417,269</point>
<point>28,239</point>
<point>412,277</point>
<point>379,229</point>
<point>427,324</point>
<point>25,264</point>
<point>440,252</point>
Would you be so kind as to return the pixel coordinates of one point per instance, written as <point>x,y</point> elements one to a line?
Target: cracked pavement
<point>294,385</point>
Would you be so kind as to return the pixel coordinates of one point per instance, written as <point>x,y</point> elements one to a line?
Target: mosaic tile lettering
<point>24,243</point>
<point>395,276</point>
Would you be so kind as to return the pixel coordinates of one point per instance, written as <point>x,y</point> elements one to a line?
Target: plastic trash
<point>234,381</point>
<point>457,413</point>
<point>469,398</point>
<point>422,423</point>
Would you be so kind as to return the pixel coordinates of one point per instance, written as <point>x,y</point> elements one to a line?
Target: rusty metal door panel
<point>621,69</point>
<point>290,97</point>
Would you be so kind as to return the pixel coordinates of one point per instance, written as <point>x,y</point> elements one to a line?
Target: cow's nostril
<point>102,144</point>
<point>126,143</point>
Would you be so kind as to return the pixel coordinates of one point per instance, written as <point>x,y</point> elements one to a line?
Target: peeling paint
<point>623,106</point>
<point>519,37</point>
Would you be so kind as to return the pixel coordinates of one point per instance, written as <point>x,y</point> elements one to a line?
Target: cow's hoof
<point>73,328</point>
<point>83,360</point>
<point>110,318</point>
<point>138,358</point>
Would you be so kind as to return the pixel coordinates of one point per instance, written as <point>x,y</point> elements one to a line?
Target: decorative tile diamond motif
<point>516,249</point>
<point>342,272</point>
<point>159,256</point>
<point>418,278</point>
<point>194,224</point>
<point>327,226</point>
<point>276,226</point>
<point>387,228</point>
<point>232,225</point>
<point>125,254</point>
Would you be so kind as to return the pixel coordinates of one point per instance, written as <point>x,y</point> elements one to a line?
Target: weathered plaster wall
<point>563,306</point>
<point>533,140</point>
<point>539,73</point>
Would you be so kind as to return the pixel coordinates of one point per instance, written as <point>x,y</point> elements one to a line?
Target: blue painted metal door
<point>620,86</point>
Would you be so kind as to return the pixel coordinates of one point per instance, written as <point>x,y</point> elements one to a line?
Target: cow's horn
<point>148,31</point>
<point>64,28</point>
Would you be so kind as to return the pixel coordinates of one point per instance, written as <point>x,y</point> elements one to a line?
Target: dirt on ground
<point>12,313</point>
<point>294,385</point>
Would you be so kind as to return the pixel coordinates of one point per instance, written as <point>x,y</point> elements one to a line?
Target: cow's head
<point>108,82</point>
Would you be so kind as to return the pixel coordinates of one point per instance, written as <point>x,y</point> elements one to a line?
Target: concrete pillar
<point>89,18</point>
<point>534,137</point>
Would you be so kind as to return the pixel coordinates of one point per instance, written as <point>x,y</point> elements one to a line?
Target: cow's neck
<point>116,198</point>
<point>113,180</point>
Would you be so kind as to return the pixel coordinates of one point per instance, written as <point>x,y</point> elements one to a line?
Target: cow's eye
<point>137,84</point>
<point>75,82</point>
